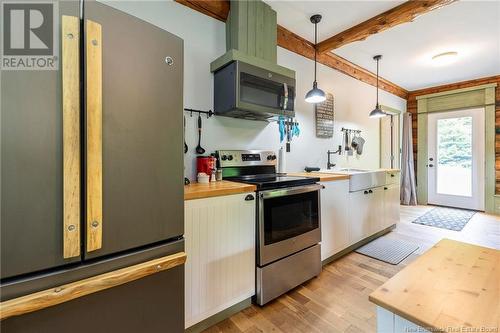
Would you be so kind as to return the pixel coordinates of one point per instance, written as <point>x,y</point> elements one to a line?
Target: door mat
<point>385,249</point>
<point>446,218</point>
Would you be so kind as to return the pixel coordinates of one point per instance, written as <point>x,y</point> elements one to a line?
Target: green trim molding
<point>479,96</point>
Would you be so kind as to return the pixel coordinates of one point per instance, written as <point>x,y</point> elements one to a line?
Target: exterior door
<point>134,181</point>
<point>456,158</point>
<point>33,158</point>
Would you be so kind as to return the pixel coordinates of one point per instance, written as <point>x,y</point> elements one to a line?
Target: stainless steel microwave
<point>246,91</point>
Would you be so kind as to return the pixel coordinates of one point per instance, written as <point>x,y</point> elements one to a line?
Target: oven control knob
<point>269,157</point>
<point>273,157</point>
<point>223,157</point>
<point>230,158</point>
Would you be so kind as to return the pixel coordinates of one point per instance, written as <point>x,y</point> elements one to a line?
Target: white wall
<point>204,41</point>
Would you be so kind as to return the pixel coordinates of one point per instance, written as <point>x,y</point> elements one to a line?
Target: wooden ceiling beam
<point>288,40</point>
<point>406,12</point>
<point>292,42</point>
<point>452,86</point>
<point>218,9</point>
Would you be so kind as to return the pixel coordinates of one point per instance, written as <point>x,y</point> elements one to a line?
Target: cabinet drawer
<point>392,177</point>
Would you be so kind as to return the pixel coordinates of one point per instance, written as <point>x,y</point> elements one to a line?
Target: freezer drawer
<point>152,304</point>
<point>30,284</point>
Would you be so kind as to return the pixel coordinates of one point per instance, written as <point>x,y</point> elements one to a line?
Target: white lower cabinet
<point>334,217</point>
<point>220,245</point>
<point>377,210</point>
<point>359,215</point>
<point>391,202</point>
<point>349,217</point>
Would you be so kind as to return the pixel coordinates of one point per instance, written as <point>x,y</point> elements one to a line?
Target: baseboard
<point>354,246</point>
<point>218,317</point>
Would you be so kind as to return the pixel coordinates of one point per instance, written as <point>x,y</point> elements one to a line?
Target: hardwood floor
<point>337,301</point>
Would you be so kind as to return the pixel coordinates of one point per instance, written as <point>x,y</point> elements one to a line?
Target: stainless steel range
<point>288,221</point>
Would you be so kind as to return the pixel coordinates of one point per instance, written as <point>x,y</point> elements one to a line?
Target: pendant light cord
<point>315,43</point>
<point>377,81</point>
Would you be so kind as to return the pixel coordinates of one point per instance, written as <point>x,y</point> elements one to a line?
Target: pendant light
<point>377,112</point>
<point>315,95</point>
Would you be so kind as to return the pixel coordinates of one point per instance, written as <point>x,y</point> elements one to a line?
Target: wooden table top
<point>451,287</point>
<point>215,189</point>
<point>324,177</point>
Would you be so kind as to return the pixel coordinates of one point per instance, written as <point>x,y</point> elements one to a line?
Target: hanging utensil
<point>288,135</point>
<point>199,149</point>
<point>185,144</point>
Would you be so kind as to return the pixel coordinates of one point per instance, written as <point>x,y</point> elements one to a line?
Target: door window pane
<point>454,156</point>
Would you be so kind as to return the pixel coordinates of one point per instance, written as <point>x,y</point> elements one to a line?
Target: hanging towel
<point>281,128</point>
<point>295,129</point>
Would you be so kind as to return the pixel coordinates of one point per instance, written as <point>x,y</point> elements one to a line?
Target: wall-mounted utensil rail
<point>94,219</point>
<point>70,40</point>
<point>350,130</point>
<point>209,113</point>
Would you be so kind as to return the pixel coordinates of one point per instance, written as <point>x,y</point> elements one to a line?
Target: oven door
<point>288,221</point>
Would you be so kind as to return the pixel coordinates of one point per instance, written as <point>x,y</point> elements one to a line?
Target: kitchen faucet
<point>330,165</point>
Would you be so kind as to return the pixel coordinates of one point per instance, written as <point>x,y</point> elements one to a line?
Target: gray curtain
<point>408,188</point>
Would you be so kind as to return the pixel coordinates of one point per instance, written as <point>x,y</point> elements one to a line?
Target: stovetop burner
<point>257,167</point>
<point>272,181</point>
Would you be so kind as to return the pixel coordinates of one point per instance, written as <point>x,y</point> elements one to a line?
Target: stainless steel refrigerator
<point>92,174</point>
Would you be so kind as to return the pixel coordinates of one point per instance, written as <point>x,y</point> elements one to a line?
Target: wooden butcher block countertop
<point>215,189</point>
<point>453,287</point>
<point>324,177</point>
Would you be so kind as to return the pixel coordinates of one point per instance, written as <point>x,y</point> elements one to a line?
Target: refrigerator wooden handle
<point>93,47</point>
<point>64,293</point>
<point>70,37</point>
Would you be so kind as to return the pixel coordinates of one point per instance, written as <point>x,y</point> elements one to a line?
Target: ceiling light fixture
<point>377,112</point>
<point>444,58</point>
<point>315,95</point>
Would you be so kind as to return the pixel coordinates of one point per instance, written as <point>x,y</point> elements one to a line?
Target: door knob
<point>431,159</point>
<point>431,165</point>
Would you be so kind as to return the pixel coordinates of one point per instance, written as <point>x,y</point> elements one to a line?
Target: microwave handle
<point>285,96</point>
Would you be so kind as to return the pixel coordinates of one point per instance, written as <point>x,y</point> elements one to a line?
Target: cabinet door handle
<point>249,197</point>
<point>385,188</point>
<point>70,41</point>
<point>370,191</point>
<point>365,192</point>
<point>392,175</point>
<point>94,135</point>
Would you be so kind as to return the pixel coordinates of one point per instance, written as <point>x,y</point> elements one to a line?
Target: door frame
<point>396,116</point>
<point>464,98</point>
<point>477,195</point>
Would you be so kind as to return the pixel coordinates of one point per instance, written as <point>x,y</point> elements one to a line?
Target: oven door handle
<point>290,191</point>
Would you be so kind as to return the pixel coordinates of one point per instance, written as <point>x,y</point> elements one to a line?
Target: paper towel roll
<point>282,160</point>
